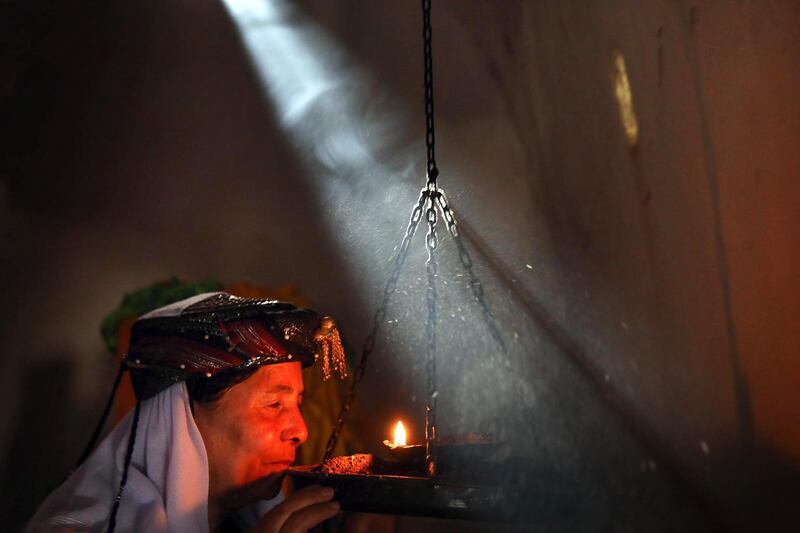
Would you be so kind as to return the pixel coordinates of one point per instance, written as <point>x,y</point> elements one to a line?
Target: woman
<point>217,421</point>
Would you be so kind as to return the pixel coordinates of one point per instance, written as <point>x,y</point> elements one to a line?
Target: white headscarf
<point>167,487</point>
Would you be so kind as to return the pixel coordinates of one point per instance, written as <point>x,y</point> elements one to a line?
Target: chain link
<point>380,316</point>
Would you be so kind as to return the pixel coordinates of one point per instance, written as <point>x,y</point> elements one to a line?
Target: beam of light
<point>341,124</point>
<point>310,81</point>
<point>292,72</point>
<point>361,164</point>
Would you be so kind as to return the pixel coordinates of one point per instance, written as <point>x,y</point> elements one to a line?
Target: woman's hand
<point>300,512</point>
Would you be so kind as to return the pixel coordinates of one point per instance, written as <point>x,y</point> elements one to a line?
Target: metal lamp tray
<point>398,494</point>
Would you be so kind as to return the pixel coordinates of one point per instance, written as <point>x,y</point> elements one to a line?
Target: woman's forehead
<point>282,377</point>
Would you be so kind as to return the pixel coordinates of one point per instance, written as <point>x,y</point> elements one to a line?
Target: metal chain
<point>430,139</point>
<point>380,315</point>
<point>430,331</point>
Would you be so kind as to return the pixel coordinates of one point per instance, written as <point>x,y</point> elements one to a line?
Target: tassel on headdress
<point>329,345</point>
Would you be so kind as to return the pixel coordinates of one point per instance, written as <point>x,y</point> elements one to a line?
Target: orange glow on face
<point>399,434</point>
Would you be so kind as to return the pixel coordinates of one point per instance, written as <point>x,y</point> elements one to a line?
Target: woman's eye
<point>274,405</point>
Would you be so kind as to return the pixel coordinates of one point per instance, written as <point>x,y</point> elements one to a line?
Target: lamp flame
<point>399,434</point>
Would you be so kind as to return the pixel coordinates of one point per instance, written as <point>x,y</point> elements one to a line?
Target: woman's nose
<point>296,430</point>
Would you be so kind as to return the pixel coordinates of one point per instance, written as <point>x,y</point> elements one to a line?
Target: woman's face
<point>252,432</point>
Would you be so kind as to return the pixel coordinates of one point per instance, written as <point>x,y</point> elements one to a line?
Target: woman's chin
<point>270,483</point>
<point>265,487</point>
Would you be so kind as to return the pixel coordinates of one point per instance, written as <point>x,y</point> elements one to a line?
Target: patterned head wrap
<point>215,334</point>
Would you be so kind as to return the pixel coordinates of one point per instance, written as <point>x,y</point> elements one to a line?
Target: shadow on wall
<point>43,445</point>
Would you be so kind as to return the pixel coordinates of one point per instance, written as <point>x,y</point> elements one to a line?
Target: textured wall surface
<point>643,282</point>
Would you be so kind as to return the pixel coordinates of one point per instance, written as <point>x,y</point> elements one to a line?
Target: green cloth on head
<point>144,300</point>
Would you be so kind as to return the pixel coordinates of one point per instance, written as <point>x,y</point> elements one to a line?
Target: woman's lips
<point>278,464</point>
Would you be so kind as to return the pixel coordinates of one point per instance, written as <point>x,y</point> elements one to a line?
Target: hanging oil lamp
<point>442,477</point>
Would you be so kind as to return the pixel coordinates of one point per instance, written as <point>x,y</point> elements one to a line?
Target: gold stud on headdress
<point>329,344</point>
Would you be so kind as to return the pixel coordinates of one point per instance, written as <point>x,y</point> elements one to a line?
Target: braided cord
<point>112,521</point>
